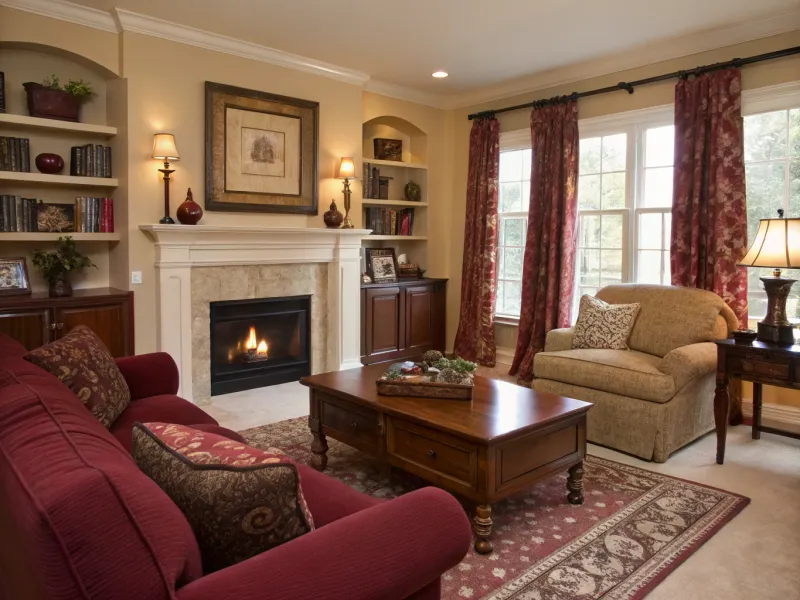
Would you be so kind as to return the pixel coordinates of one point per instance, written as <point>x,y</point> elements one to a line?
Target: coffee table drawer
<point>432,454</point>
<point>355,425</point>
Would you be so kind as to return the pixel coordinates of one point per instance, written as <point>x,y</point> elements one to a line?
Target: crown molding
<point>405,93</point>
<point>66,11</point>
<point>696,43</point>
<point>132,22</point>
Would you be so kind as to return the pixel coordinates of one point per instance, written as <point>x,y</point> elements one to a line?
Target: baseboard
<point>775,415</point>
<point>505,355</point>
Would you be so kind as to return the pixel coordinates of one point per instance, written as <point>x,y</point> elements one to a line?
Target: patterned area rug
<point>634,528</point>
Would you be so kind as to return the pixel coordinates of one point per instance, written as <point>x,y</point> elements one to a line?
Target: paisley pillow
<point>81,361</point>
<point>604,326</point>
<point>239,501</point>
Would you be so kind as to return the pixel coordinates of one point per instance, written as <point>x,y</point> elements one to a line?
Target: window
<point>624,201</point>
<point>772,171</point>
<point>513,197</point>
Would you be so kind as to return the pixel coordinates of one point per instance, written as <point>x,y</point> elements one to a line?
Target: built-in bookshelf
<point>385,207</point>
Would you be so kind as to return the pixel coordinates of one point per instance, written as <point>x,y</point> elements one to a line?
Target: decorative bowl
<point>50,164</point>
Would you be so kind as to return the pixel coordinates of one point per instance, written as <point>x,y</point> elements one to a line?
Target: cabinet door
<point>383,322</point>
<point>109,321</point>
<point>30,327</point>
<point>419,318</point>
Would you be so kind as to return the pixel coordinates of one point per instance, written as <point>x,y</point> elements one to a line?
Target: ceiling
<point>479,42</point>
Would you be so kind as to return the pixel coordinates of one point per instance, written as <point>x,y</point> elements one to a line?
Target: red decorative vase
<point>333,218</point>
<point>48,163</point>
<point>190,212</point>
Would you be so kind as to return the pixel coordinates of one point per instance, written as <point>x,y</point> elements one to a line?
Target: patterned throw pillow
<point>83,363</point>
<point>240,501</point>
<point>602,325</point>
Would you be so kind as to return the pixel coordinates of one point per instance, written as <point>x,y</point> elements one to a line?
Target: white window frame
<point>785,96</point>
<point>510,141</point>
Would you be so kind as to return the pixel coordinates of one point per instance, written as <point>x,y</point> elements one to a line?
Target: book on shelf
<point>91,160</point>
<point>15,154</point>
<point>94,215</point>
<point>17,214</point>
<point>385,221</point>
<point>2,92</point>
<point>86,215</point>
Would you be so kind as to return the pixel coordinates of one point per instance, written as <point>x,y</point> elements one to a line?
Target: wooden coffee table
<point>502,441</point>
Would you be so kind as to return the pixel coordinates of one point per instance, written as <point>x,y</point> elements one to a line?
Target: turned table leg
<point>756,411</point>
<point>319,445</point>
<point>483,529</point>
<point>575,484</point>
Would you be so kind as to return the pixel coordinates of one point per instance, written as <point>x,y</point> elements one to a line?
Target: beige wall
<point>754,76</point>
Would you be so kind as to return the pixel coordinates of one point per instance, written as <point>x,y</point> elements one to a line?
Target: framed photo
<point>381,264</point>
<point>57,218</point>
<point>261,151</point>
<point>386,149</point>
<point>14,277</point>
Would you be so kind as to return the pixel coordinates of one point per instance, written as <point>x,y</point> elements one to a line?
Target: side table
<point>757,362</point>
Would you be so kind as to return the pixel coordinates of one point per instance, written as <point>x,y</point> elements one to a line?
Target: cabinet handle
<point>354,425</point>
<point>432,453</point>
<point>52,326</point>
<point>59,326</point>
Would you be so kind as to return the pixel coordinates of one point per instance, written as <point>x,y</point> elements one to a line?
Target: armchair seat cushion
<point>623,372</point>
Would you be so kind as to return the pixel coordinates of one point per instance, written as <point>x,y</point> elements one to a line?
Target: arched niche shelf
<point>415,140</point>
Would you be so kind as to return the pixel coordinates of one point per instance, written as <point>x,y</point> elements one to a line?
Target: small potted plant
<point>51,100</point>
<point>57,266</point>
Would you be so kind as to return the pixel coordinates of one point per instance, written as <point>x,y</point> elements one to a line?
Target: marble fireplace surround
<point>184,253</point>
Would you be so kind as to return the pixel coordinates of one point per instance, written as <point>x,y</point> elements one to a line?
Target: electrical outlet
<point>136,277</point>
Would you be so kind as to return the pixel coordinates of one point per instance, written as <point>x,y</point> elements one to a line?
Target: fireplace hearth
<point>257,343</point>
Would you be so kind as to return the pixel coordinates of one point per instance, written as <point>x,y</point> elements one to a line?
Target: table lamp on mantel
<point>164,148</point>
<point>347,171</point>
<point>777,246</point>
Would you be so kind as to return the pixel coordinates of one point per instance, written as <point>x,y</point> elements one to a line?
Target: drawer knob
<point>353,425</point>
<point>432,453</point>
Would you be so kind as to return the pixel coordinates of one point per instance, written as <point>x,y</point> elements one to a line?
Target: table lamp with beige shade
<point>776,246</point>
<point>164,148</point>
<point>346,171</point>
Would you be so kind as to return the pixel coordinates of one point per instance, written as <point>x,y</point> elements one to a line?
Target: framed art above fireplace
<point>261,151</point>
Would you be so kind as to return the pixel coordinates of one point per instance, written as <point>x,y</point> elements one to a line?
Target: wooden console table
<point>757,362</point>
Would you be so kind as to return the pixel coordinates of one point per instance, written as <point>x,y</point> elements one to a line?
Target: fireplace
<point>256,343</point>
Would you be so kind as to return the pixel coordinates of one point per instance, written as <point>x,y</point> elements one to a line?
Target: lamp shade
<point>164,147</point>
<point>347,168</point>
<point>777,245</point>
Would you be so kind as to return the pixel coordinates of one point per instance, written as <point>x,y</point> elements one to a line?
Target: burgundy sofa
<point>78,520</point>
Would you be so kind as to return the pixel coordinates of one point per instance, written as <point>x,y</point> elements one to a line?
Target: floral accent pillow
<point>239,501</point>
<point>604,326</point>
<point>81,361</point>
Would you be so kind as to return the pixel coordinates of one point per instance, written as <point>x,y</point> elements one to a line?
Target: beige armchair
<point>658,396</point>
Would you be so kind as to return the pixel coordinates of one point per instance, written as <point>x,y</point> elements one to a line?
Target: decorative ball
<point>50,164</point>
<point>413,192</point>
<point>432,356</point>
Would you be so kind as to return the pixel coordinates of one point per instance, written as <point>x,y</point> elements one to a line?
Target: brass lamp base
<point>775,327</point>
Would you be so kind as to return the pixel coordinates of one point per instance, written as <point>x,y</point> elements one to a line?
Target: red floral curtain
<point>709,222</point>
<point>475,336</point>
<point>548,268</point>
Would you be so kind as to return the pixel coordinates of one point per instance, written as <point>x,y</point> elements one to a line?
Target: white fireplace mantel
<point>179,248</point>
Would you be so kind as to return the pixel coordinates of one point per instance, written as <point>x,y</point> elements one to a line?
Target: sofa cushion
<point>165,408</point>
<point>240,501</point>
<point>622,372</point>
<point>671,316</point>
<point>602,325</point>
<point>94,525</point>
<point>84,365</point>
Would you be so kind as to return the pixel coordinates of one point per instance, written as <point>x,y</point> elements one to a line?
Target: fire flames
<point>255,348</point>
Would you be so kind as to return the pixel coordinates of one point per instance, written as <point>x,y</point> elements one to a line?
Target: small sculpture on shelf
<point>189,212</point>
<point>333,218</point>
<point>49,163</point>
<point>56,267</point>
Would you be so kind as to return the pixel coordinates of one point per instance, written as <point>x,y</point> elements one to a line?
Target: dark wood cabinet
<point>402,320</point>
<point>38,319</point>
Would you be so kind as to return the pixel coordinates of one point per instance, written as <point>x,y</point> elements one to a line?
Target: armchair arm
<point>150,374</point>
<point>559,339</point>
<point>388,551</point>
<point>689,362</point>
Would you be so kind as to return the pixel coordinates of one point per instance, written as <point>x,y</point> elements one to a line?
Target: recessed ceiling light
<point>440,74</point>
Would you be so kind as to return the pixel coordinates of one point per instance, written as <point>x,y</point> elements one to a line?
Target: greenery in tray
<point>459,365</point>
<point>80,89</point>
<point>65,260</point>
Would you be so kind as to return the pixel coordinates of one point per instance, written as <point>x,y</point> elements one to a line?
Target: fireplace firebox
<point>256,343</point>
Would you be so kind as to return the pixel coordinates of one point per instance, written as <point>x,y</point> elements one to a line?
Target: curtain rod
<point>628,87</point>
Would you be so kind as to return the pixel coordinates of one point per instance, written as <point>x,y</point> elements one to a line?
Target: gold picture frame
<point>261,151</point>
